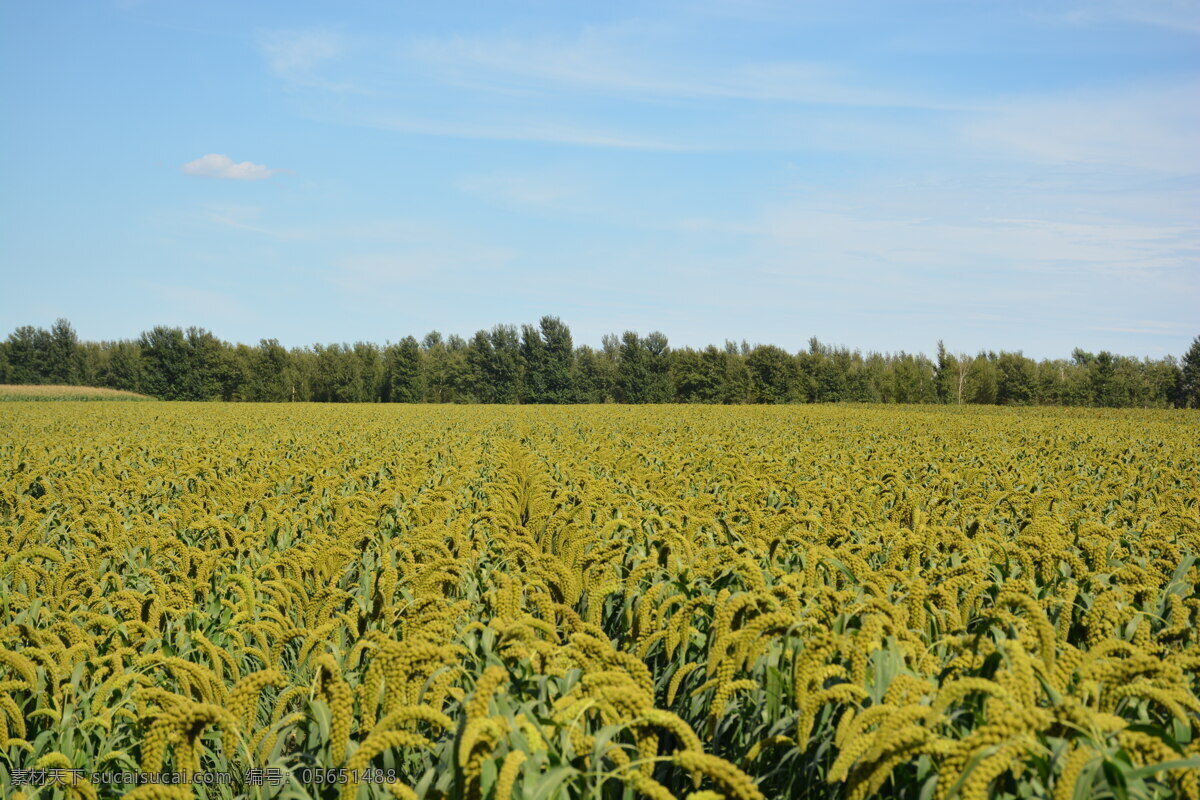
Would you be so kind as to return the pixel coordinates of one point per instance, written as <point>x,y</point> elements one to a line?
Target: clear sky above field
<point>878,174</point>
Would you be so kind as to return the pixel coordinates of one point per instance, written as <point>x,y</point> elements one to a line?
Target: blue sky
<point>878,174</point>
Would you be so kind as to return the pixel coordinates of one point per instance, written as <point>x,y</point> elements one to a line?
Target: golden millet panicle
<point>508,774</point>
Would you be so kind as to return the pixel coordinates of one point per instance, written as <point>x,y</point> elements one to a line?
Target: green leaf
<point>487,776</point>
<point>603,737</point>
<point>1151,769</point>
<point>928,788</point>
<point>550,782</point>
<point>1115,776</point>
<point>774,692</point>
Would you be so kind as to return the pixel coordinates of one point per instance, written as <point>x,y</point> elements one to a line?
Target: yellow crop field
<point>10,391</point>
<point>221,601</point>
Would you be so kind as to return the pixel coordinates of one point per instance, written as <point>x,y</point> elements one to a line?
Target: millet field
<point>598,602</point>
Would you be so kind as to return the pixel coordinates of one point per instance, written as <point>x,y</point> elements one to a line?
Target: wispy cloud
<point>371,271</point>
<point>368,255</point>
<point>662,95</point>
<point>524,188</point>
<point>217,165</point>
<point>1150,127</point>
<point>1013,246</point>
<point>1145,327</point>
<point>306,58</point>
<point>520,130</point>
<point>1178,15</point>
<point>378,232</point>
<point>245,218</point>
<point>609,59</point>
<point>977,201</point>
<point>295,55</point>
<point>190,302</point>
<point>1020,231</point>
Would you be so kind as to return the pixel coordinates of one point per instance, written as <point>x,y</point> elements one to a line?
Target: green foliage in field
<point>12,392</point>
<point>541,602</point>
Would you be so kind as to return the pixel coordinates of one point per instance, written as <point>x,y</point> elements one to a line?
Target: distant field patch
<point>11,392</point>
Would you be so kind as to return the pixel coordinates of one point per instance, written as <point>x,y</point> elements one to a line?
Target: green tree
<point>593,377</point>
<point>371,368</point>
<point>694,378</point>
<point>729,365</point>
<point>402,372</point>
<point>633,369</point>
<point>268,381</point>
<point>1128,387</point>
<point>913,379</point>
<point>304,372</point>
<point>504,369</point>
<point>944,376</point>
<point>493,366</point>
<point>340,375</point>
<point>181,365</point>
<point>26,353</point>
<point>124,367</point>
<point>1103,379</point>
<point>91,358</point>
<point>446,374</point>
<point>810,365</point>
<point>460,374</point>
<point>1189,377</point>
<point>62,354</point>
<point>558,353</point>
<point>1081,388</point>
<point>877,379</point>
<point>235,372</point>
<point>479,361</point>
<point>165,355</point>
<point>659,389</point>
<point>982,383</point>
<point>832,376</point>
<point>1160,382</point>
<point>207,374</point>
<point>533,366</point>
<point>1018,379</point>
<point>541,364</point>
<point>643,369</point>
<point>1051,382</point>
<point>858,384</point>
<point>774,375</point>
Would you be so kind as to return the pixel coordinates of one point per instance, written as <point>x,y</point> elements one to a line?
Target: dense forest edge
<point>541,364</point>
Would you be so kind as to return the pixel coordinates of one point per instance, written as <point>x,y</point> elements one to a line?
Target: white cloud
<point>1146,127</point>
<point>191,302</point>
<point>245,219</point>
<point>1013,245</point>
<point>1178,15</point>
<point>259,220</point>
<point>290,53</point>
<point>528,188</point>
<point>421,262</point>
<point>527,131</point>
<point>1150,330</point>
<point>217,165</point>
<point>605,59</point>
<point>295,56</point>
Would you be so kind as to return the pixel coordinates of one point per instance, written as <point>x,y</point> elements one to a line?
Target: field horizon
<point>56,392</point>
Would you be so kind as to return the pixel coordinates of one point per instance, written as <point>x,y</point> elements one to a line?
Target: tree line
<point>541,364</point>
